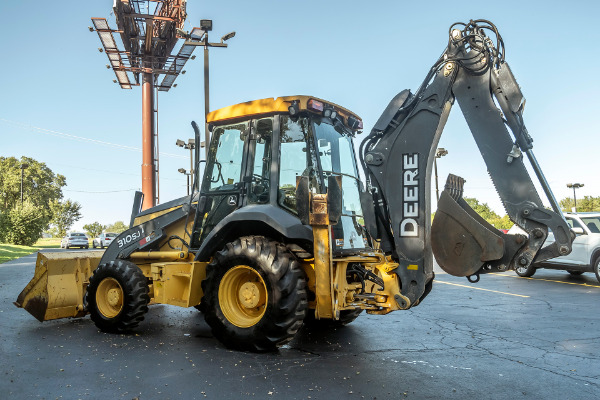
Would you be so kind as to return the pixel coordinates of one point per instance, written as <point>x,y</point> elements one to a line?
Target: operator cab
<point>260,148</point>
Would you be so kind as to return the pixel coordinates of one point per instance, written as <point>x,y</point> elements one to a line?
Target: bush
<point>22,225</point>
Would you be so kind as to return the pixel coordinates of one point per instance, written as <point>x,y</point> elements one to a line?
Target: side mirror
<point>578,230</point>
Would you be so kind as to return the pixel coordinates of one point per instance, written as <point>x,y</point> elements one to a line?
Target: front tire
<point>597,268</point>
<point>254,295</point>
<point>117,296</point>
<point>525,272</point>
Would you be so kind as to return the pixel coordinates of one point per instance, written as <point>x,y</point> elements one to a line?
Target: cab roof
<point>271,106</point>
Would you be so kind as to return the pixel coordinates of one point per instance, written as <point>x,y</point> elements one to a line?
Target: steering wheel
<point>260,185</point>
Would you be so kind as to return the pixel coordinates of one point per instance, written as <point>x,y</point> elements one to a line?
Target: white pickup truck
<point>585,256</point>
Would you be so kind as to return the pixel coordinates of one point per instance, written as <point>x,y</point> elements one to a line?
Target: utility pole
<point>202,40</point>
<point>183,171</point>
<point>190,145</point>
<point>23,167</point>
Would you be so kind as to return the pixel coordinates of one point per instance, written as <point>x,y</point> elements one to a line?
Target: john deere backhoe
<point>281,230</point>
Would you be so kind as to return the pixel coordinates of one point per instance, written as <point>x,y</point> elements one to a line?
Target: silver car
<point>75,239</point>
<point>104,240</point>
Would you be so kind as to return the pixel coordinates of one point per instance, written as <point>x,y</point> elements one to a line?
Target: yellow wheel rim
<point>243,296</point>
<point>109,297</point>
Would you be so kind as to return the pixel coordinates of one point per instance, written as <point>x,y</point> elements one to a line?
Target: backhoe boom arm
<point>398,155</point>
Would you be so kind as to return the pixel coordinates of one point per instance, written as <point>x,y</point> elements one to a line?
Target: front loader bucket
<point>461,240</point>
<point>58,285</point>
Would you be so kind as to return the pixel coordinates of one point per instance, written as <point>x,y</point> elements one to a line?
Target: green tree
<point>502,223</point>
<point>65,213</point>
<point>22,225</point>
<point>41,186</point>
<point>488,214</point>
<point>117,227</point>
<point>587,203</point>
<point>482,209</point>
<point>94,229</point>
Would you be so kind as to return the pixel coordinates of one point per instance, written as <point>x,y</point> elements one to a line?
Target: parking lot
<point>505,337</point>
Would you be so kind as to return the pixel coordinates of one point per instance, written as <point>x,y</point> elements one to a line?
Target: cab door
<point>223,185</point>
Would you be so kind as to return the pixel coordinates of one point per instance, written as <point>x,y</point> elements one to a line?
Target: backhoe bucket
<point>461,240</point>
<point>58,285</point>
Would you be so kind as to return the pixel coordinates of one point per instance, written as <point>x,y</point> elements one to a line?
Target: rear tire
<point>117,296</point>
<point>574,273</point>
<point>525,272</point>
<point>254,295</point>
<point>597,268</point>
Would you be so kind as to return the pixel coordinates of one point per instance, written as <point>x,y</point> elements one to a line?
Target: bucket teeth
<point>454,186</point>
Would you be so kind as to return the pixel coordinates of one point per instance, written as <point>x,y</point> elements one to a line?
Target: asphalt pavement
<point>505,337</point>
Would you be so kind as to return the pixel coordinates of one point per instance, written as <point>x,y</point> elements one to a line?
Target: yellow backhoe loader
<point>280,231</point>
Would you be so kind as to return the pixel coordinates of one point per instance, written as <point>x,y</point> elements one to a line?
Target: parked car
<point>75,239</point>
<point>104,240</point>
<point>585,256</point>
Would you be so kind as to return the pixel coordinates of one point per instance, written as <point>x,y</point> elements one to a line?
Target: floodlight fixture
<point>575,185</point>
<point>227,37</point>
<point>206,25</point>
<point>182,170</point>
<point>183,33</point>
<point>441,152</point>
<point>180,143</point>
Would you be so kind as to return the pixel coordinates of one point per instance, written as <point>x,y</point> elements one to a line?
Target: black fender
<point>265,220</point>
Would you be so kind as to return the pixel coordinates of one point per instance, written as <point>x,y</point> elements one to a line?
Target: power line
<point>81,138</point>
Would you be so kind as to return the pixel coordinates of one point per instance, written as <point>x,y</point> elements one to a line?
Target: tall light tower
<point>148,30</point>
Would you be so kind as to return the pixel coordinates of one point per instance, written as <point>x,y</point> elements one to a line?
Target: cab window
<point>227,153</point>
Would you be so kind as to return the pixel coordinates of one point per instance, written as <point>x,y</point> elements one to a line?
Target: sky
<point>58,103</point>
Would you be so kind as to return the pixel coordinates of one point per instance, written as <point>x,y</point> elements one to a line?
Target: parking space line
<point>477,288</point>
<point>541,279</point>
